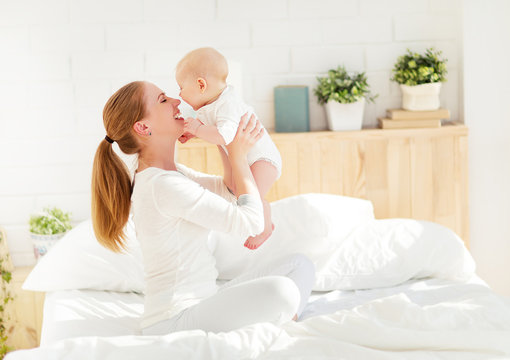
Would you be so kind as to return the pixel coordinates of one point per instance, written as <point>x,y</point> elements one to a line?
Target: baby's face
<point>190,90</point>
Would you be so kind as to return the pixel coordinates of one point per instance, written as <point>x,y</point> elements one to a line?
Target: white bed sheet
<point>75,313</point>
<point>420,319</point>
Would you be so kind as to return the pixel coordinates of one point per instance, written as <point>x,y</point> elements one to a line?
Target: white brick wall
<point>486,52</point>
<point>248,9</point>
<point>368,29</point>
<point>52,66</point>
<point>429,27</point>
<point>304,9</point>
<point>66,38</point>
<point>173,12</point>
<point>105,12</point>
<point>314,60</point>
<point>62,59</point>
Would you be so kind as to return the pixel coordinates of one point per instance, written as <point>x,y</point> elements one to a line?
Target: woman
<point>174,208</point>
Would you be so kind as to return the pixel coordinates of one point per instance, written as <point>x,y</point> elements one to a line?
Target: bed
<point>86,313</point>
<point>385,289</point>
<point>388,237</point>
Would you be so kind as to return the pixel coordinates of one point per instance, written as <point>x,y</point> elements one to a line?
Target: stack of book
<point>404,119</point>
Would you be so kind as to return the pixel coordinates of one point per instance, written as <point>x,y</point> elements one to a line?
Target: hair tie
<point>108,139</point>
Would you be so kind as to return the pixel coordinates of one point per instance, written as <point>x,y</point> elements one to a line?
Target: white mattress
<point>74,313</point>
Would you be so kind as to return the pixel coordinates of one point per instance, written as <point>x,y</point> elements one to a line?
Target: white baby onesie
<point>225,113</point>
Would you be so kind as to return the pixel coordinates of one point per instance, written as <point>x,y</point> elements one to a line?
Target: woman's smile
<point>178,116</point>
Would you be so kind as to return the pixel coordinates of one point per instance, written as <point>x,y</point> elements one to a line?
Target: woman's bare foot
<point>253,242</point>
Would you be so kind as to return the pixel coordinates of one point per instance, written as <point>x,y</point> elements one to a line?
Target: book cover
<point>385,123</point>
<point>401,114</point>
<point>291,109</point>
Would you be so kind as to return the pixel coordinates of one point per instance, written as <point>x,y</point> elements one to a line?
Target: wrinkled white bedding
<point>392,289</point>
<point>74,313</point>
<point>349,248</point>
<point>419,319</point>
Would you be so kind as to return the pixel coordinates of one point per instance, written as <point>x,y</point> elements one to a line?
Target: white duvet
<point>349,247</point>
<point>351,250</point>
<point>473,325</point>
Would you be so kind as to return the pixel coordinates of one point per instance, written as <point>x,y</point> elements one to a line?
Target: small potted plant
<point>344,96</point>
<point>420,77</point>
<point>47,227</point>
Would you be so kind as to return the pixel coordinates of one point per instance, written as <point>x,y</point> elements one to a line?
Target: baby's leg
<point>265,174</point>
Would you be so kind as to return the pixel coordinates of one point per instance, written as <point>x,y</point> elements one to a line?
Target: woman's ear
<point>141,128</point>
<point>202,84</point>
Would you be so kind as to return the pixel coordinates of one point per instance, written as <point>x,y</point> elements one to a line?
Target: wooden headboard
<point>412,173</point>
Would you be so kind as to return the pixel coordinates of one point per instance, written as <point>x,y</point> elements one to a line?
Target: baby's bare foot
<point>253,242</point>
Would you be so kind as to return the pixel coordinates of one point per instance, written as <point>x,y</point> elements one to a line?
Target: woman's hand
<point>248,133</point>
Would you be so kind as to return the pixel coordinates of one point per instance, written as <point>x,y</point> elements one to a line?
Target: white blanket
<point>472,325</point>
<point>349,248</point>
<point>351,251</point>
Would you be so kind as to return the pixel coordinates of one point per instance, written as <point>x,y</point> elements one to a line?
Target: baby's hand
<point>191,125</point>
<point>185,137</point>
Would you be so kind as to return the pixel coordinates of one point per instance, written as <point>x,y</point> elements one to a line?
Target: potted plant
<point>5,293</point>
<point>344,96</point>
<point>47,227</point>
<point>420,77</point>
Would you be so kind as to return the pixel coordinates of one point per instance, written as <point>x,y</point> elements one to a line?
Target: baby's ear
<point>202,84</point>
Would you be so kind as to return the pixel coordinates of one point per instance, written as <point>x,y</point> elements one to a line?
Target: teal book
<point>291,109</point>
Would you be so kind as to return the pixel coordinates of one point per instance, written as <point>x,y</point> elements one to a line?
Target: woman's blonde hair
<point>111,182</point>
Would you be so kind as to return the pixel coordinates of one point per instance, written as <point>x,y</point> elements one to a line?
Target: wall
<point>63,58</point>
<point>487,114</point>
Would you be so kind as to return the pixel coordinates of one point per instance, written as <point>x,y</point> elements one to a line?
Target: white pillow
<point>383,253</point>
<point>350,249</point>
<point>304,223</point>
<point>78,261</point>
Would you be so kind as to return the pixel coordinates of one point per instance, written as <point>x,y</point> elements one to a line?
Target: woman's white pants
<point>272,293</point>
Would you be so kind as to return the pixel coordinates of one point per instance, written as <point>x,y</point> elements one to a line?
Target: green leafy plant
<point>416,69</point>
<point>341,87</point>
<point>5,297</point>
<point>50,221</point>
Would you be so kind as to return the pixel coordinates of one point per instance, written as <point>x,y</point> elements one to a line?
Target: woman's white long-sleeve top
<point>173,212</point>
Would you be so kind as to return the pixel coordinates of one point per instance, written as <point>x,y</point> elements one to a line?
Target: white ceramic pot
<point>345,116</point>
<point>43,243</point>
<point>421,97</point>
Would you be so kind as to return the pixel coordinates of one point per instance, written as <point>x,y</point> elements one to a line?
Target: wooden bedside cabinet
<point>24,325</point>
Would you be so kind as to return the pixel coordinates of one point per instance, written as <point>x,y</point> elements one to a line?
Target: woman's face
<point>163,117</point>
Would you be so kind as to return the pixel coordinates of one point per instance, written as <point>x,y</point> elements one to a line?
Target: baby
<point>202,76</point>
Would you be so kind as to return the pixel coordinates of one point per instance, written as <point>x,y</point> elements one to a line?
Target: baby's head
<point>201,75</point>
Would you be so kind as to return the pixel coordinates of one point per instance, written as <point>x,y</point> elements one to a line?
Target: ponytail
<point>111,181</point>
<point>111,197</point>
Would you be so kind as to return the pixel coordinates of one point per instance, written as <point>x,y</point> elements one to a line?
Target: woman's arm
<point>179,196</point>
<point>248,133</point>
<point>227,170</point>
<point>213,183</point>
